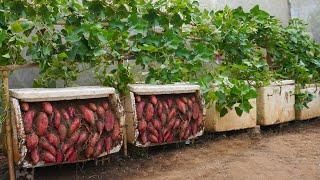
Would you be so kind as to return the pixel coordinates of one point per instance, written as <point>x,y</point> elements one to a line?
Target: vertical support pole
<point>6,103</point>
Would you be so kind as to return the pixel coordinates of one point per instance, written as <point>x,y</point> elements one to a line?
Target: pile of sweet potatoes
<point>168,118</point>
<point>68,131</point>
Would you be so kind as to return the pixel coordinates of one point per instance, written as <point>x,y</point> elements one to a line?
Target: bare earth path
<point>290,152</point>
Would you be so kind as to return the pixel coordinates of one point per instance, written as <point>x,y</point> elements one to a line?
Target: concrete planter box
<point>275,103</point>
<point>314,106</point>
<point>231,121</point>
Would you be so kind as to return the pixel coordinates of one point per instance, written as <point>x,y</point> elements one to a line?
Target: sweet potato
<point>108,144</point>
<point>32,141</point>
<point>171,114</point>
<point>65,115</point>
<point>71,111</point>
<point>153,100</point>
<point>189,115</point>
<point>43,143</point>
<point>57,119</point>
<point>152,138</point>
<point>53,139</point>
<point>187,133</point>
<point>35,157</point>
<point>74,125</point>
<point>142,126</point>
<point>59,157</point>
<point>109,121</point>
<point>89,151</point>
<point>143,137</point>
<point>105,106</point>
<point>82,137</point>
<point>92,106</point>
<point>62,132</point>
<point>25,106</point>
<point>165,106</point>
<point>28,120</point>
<point>171,124</point>
<point>160,138</point>
<point>48,157</point>
<point>140,108</point>
<point>47,108</point>
<point>101,112</point>
<point>184,99</point>
<point>166,136</point>
<point>181,106</point>
<point>74,138</point>
<point>69,153</point>
<point>163,119</point>
<point>156,124</point>
<point>195,111</point>
<point>149,112</point>
<point>88,115</point>
<point>190,103</point>
<point>169,102</point>
<point>199,120</point>
<point>73,157</point>
<point>170,138</point>
<point>65,147</point>
<point>100,127</point>
<point>98,148</point>
<point>94,139</point>
<point>176,124</point>
<point>152,130</point>
<point>138,98</point>
<point>193,99</point>
<point>194,129</point>
<point>160,109</point>
<point>116,131</point>
<point>42,123</point>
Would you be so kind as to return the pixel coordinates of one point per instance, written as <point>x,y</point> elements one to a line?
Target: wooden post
<point>6,105</point>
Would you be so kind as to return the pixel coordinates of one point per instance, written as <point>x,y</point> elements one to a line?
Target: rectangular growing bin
<point>65,125</point>
<point>162,114</point>
<point>275,103</point>
<point>314,106</point>
<point>230,121</point>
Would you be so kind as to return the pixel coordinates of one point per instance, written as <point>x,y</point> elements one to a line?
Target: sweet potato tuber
<point>82,137</point>
<point>181,106</point>
<point>184,99</point>
<point>109,121</point>
<point>25,106</point>
<point>105,106</point>
<point>59,157</point>
<point>43,143</point>
<point>156,124</point>
<point>176,124</point>
<point>163,118</point>
<point>171,114</point>
<point>62,132</point>
<point>149,112</point>
<point>57,119</point>
<point>153,138</point>
<point>153,100</point>
<point>195,111</point>
<point>89,151</point>
<point>171,124</point>
<point>140,108</point>
<point>193,99</point>
<point>108,144</point>
<point>65,147</point>
<point>98,148</point>
<point>69,152</point>
<point>152,130</point>
<point>101,112</point>
<point>48,157</point>
<point>169,102</point>
<point>73,157</point>
<point>187,133</point>
<point>143,137</point>
<point>65,115</point>
<point>138,98</point>
<point>74,125</point>
<point>88,115</point>
<point>74,138</point>
<point>160,109</point>
<point>53,139</point>
<point>100,127</point>
<point>28,120</point>
<point>47,108</point>
<point>32,141</point>
<point>194,129</point>
<point>35,157</point>
<point>94,139</point>
<point>142,126</point>
<point>190,103</point>
<point>42,123</point>
<point>199,120</point>
<point>116,131</point>
<point>160,138</point>
<point>71,111</point>
<point>92,106</point>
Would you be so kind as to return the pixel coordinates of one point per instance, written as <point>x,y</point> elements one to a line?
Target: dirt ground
<point>288,152</point>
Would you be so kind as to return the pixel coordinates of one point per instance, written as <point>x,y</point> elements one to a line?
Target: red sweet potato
<point>116,131</point>
<point>94,139</point>
<point>156,124</point>
<point>160,138</point>
<point>57,119</point>
<point>165,106</point>
<point>138,98</point>
<point>160,108</point>
<point>59,157</point>
<point>140,108</point>
<point>149,112</point>
<point>42,123</point>
<point>65,115</point>
<point>176,124</point>
<point>190,103</point>
<point>189,115</point>
<point>100,127</point>
<point>44,144</point>
<point>143,137</point>
<point>65,147</point>
<point>184,99</point>
<point>194,129</point>
<point>69,153</point>
<point>25,106</point>
<point>48,157</point>
<point>181,106</point>
<point>142,126</point>
<point>108,144</point>
<point>152,130</point>
<point>153,100</point>
<point>169,102</point>
<point>100,111</point>
<point>170,138</point>
<point>171,114</point>
<point>74,125</point>
<point>47,108</point>
<point>171,124</point>
<point>153,138</point>
<point>109,121</point>
<point>32,141</point>
<point>28,120</point>
<point>200,119</point>
<point>88,115</point>
<point>105,106</point>
<point>35,157</point>
<point>193,99</point>
<point>73,157</point>
<point>163,119</point>
<point>62,132</point>
<point>71,111</point>
<point>92,106</point>
<point>74,138</point>
<point>53,139</point>
<point>187,133</point>
<point>98,148</point>
<point>195,111</point>
<point>82,137</point>
<point>89,151</point>
<point>166,136</point>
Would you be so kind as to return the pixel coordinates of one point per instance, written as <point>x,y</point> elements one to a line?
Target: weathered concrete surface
<point>277,8</point>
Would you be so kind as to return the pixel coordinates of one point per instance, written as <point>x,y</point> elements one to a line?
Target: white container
<point>58,96</point>
<point>275,103</point>
<point>314,106</point>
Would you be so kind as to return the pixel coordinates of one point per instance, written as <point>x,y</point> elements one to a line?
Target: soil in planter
<point>168,118</point>
<point>68,131</point>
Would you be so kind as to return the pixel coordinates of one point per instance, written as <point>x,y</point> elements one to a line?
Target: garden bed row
<point>67,125</point>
